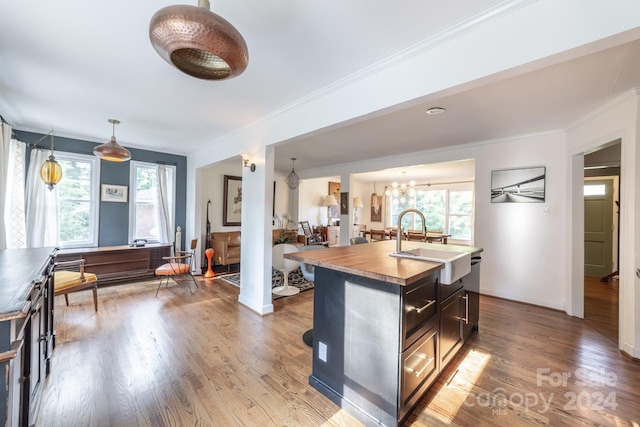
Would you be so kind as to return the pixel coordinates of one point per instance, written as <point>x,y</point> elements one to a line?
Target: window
<point>144,221</point>
<point>594,190</point>
<point>446,210</point>
<point>78,200</point>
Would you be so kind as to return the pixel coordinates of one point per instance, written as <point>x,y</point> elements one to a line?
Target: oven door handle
<point>424,307</point>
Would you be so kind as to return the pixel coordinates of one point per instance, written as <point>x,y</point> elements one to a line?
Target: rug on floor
<point>295,279</point>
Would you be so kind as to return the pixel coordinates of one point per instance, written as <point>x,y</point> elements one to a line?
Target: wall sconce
<point>50,171</point>
<point>252,166</point>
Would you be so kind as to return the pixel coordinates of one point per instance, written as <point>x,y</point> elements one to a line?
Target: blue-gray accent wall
<point>113,228</point>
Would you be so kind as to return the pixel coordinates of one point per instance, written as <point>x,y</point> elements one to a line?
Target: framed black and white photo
<point>114,193</point>
<point>525,185</point>
<point>232,205</point>
<point>344,203</point>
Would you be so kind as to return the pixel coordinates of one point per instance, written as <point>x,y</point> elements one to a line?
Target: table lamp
<point>329,201</point>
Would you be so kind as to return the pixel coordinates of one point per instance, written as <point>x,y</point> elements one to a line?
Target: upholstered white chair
<point>285,266</point>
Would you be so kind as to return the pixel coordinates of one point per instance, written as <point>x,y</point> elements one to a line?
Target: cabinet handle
<point>466,309</point>
<point>426,365</point>
<point>424,307</point>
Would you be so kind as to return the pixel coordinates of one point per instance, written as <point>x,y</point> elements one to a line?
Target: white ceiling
<point>71,65</point>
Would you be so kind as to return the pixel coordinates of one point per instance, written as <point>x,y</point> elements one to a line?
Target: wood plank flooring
<point>205,360</point>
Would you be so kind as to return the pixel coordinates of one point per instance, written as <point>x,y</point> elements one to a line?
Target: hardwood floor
<point>205,360</point>
<point>601,306</point>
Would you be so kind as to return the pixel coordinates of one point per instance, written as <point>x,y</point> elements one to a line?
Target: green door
<point>598,228</point>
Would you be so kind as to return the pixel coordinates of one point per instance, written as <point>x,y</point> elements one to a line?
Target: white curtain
<point>5,139</point>
<point>14,225</point>
<point>42,205</point>
<point>164,220</point>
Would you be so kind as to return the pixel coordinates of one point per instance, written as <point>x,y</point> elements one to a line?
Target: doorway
<point>598,227</point>
<point>601,240</point>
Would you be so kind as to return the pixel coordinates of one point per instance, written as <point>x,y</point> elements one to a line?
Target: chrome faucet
<point>399,234</point>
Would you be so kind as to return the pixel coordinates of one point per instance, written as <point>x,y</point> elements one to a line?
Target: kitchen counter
<point>372,260</point>
<point>384,327</point>
<point>19,269</point>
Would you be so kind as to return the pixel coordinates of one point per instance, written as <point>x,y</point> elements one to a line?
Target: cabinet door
<point>37,357</point>
<point>451,327</point>
<point>472,299</point>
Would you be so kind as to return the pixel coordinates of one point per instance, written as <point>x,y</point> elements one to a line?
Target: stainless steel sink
<point>456,264</point>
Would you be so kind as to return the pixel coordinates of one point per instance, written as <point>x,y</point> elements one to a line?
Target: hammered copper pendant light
<point>198,42</point>
<point>112,151</point>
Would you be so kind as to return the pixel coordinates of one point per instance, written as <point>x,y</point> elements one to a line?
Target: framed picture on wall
<point>525,185</point>
<point>334,189</point>
<point>114,193</point>
<point>232,202</point>
<point>344,203</point>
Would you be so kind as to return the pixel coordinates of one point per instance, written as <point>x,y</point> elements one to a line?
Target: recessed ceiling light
<point>436,110</point>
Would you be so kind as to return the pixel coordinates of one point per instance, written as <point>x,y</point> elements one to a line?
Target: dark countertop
<point>19,268</point>
<point>372,260</point>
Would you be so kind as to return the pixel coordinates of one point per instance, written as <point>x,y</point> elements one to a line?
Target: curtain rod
<point>444,183</point>
<point>46,148</point>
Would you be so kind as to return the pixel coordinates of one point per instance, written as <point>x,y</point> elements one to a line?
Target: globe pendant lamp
<point>50,171</point>
<point>292,180</point>
<point>112,151</point>
<point>198,42</point>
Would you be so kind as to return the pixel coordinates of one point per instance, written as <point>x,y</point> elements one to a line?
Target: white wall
<point>311,196</point>
<point>524,247</point>
<point>213,189</point>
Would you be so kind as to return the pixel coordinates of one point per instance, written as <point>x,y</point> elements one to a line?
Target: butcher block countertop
<point>372,260</point>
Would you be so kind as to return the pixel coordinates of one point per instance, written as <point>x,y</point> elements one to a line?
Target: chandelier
<point>292,180</point>
<point>402,191</point>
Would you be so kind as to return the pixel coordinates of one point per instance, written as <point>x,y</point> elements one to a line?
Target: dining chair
<point>377,235</point>
<point>416,235</point>
<point>178,267</point>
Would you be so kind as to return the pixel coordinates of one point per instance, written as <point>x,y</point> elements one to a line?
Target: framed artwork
<point>114,193</point>
<point>525,185</point>
<point>344,203</point>
<point>376,208</point>
<point>232,202</point>
<point>334,188</point>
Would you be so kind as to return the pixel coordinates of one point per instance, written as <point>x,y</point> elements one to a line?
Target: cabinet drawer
<point>419,306</point>
<point>447,290</point>
<point>419,367</point>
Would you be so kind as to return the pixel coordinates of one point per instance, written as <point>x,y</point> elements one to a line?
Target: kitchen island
<point>384,327</point>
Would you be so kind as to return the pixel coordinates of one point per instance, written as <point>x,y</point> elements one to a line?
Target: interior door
<point>598,228</point>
